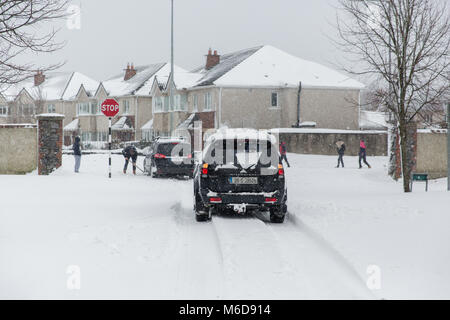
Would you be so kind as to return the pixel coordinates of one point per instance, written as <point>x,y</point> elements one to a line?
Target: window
<point>274,100</point>
<point>177,102</point>
<point>208,101</point>
<point>87,108</point>
<point>26,109</point>
<point>166,103</point>
<point>158,104</point>
<point>3,111</point>
<point>126,107</point>
<point>51,108</point>
<point>94,136</point>
<point>195,103</point>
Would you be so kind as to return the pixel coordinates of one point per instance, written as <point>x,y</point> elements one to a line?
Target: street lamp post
<point>171,107</point>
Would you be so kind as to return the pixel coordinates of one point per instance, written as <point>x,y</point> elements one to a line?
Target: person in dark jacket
<point>130,152</point>
<point>76,147</point>
<point>340,150</point>
<point>362,153</point>
<point>283,151</point>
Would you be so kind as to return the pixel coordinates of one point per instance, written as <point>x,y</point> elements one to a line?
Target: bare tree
<point>22,30</point>
<point>405,44</point>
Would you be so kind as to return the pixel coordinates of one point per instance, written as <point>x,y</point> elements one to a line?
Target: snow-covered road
<point>136,237</point>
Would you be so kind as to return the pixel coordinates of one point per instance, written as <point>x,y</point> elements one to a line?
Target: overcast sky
<point>114,32</point>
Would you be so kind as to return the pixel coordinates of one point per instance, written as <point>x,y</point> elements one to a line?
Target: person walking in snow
<point>283,151</point>
<point>362,153</point>
<point>130,152</point>
<point>340,150</point>
<point>76,147</point>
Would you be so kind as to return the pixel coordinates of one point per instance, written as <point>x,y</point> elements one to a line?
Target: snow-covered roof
<point>372,120</point>
<point>189,122</point>
<point>121,124</point>
<point>161,75</point>
<point>72,126</point>
<point>183,80</point>
<point>267,66</point>
<point>56,86</point>
<point>140,84</point>
<point>324,130</point>
<point>227,63</point>
<point>148,125</point>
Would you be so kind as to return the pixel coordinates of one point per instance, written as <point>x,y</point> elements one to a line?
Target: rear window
<point>174,149</point>
<point>226,151</point>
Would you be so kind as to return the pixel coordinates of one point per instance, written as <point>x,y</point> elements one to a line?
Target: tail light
<point>280,170</point>
<point>270,200</point>
<point>215,200</point>
<point>160,156</point>
<point>189,156</point>
<point>205,170</point>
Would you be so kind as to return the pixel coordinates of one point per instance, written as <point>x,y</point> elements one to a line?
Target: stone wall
<point>50,130</point>
<point>18,148</point>
<point>432,153</point>
<point>322,141</point>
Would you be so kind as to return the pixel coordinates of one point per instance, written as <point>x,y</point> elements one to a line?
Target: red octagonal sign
<point>110,107</point>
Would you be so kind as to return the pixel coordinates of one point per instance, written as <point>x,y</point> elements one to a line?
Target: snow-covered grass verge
<point>367,218</point>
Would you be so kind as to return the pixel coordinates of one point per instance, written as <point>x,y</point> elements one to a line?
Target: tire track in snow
<point>253,267</point>
<point>333,275</point>
<point>199,260</point>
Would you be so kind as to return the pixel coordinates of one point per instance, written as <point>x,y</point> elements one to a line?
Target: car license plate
<point>244,180</point>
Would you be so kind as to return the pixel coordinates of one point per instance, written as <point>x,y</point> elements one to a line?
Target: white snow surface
<point>162,74</point>
<point>141,83</point>
<point>271,67</point>
<point>73,125</point>
<point>134,237</point>
<point>372,120</point>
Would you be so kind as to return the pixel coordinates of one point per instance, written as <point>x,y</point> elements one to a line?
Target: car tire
<point>201,213</point>
<point>201,217</point>
<point>153,171</point>
<point>277,215</point>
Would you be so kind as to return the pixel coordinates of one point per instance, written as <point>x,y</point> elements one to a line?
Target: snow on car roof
<point>170,139</point>
<point>241,133</point>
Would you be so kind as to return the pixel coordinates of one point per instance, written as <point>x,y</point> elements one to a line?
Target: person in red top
<point>362,153</point>
<point>283,151</point>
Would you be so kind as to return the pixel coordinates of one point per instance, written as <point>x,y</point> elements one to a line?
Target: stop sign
<point>110,107</point>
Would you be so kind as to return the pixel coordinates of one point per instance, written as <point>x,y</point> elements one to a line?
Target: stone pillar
<point>50,142</point>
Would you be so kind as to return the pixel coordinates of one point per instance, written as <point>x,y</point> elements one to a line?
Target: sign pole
<point>109,147</point>
<point>110,108</point>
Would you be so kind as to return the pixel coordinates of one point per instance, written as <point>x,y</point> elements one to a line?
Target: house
<point>263,87</point>
<point>55,92</point>
<point>131,89</point>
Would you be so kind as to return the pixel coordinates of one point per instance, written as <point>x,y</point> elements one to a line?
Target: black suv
<point>240,170</point>
<point>169,157</point>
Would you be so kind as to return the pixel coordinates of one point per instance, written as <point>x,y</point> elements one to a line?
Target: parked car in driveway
<point>240,170</point>
<point>169,157</point>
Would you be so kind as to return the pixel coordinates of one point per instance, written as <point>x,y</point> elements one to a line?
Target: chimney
<point>39,78</point>
<point>212,59</point>
<point>130,72</point>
